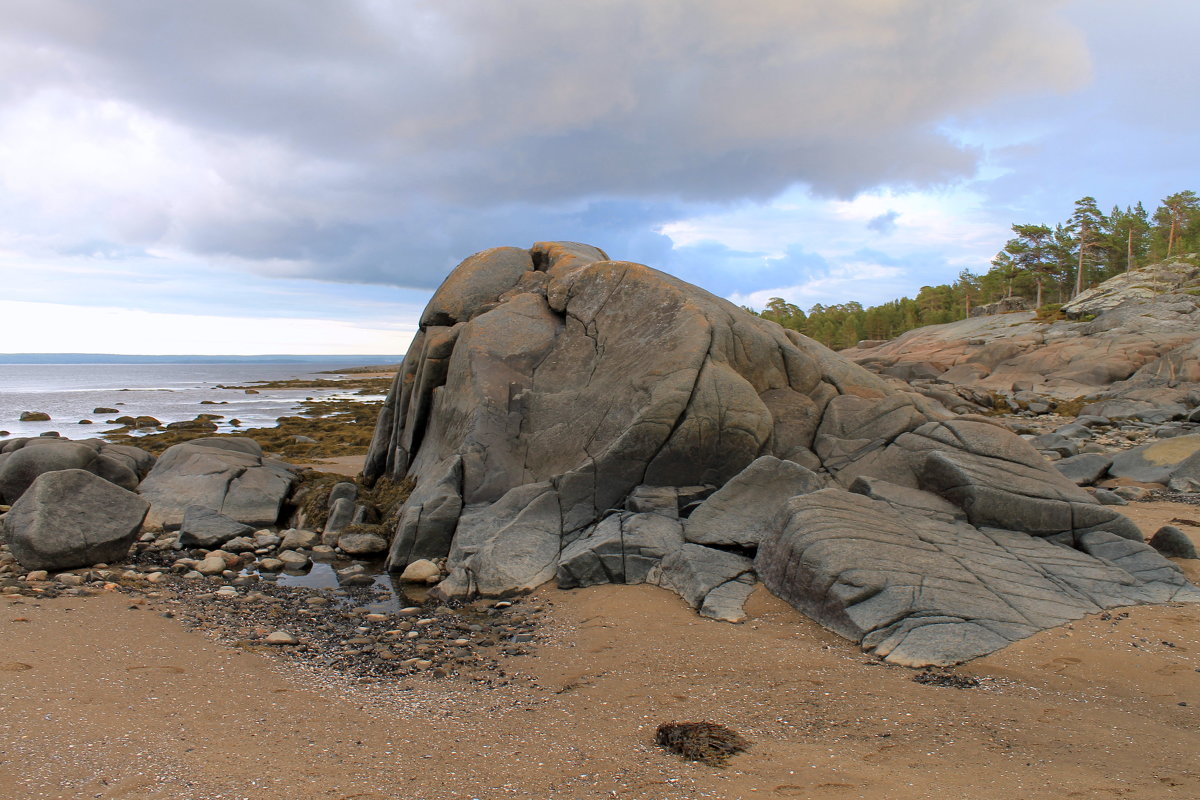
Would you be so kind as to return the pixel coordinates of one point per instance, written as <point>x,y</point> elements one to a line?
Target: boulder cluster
<point>568,417</point>
<point>79,503</point>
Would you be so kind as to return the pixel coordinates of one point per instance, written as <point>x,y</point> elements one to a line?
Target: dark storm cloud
<point>374,141</point>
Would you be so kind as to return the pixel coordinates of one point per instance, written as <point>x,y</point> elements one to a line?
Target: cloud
<point>363,141</point>
<point>883,224</point>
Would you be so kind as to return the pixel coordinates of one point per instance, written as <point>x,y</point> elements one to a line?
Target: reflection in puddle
<point>388,594</point>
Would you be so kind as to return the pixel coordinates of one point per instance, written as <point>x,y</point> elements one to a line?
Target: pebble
<point>38,575</point>
<point>281,638</point>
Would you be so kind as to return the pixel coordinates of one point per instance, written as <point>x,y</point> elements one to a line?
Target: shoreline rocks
<point>557,407</point>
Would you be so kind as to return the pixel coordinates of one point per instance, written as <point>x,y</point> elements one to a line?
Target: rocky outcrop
<point>568,417</point>
<point>1006,305</point>
<point>935,590</point>
<point>23,460</point>
<point>1141,348</point>
<point>227,474</point>
<point>73,518</point>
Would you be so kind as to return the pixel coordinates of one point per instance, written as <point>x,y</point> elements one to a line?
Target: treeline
<point>1042,264</point>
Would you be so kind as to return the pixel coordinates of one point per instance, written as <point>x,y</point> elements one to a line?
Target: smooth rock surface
<point>742,511</point>
<point>1173,543</point>
<point>939,591</point>
<point>26,459</point>
<point>73,518</point>
<point>203,527</point>
<point>554,428</point>
<point>226,474</point>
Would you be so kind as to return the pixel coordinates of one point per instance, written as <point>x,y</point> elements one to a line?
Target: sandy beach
<point>1107,706</point>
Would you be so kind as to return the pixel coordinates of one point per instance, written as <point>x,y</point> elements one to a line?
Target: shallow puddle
<point>389,595</point>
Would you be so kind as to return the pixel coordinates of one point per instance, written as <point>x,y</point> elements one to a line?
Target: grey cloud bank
<point>375,142</point>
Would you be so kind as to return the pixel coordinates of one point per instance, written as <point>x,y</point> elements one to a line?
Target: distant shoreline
<point>117,358</point>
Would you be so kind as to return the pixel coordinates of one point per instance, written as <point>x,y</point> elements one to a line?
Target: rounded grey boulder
<point>29,458</point>
<point>72,518</point>
<point>1173,543</point>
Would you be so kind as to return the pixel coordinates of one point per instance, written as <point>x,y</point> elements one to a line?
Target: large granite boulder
<point>23,460</point>
<point>227,474</point>
<point>73,518</point>
<point>565,416</point>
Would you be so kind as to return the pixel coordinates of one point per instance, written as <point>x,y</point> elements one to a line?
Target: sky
<point>266,176</point>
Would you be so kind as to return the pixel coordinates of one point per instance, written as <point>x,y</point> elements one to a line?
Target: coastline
<point>1104,705</point>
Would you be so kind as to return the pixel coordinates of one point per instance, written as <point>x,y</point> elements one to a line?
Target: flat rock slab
<point>920,591</point>
<point>73,518</point>
<point>1155,462</point>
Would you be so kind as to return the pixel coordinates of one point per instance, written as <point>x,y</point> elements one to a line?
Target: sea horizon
<point>196,358</point>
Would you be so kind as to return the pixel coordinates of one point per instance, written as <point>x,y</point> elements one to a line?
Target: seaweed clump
<point>932,678</point>
<point>706,742</point>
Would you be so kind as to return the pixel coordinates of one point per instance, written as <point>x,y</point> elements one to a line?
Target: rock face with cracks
<point>565,416</point>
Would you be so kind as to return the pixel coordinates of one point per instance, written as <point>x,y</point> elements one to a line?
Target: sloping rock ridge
<point>568,417</point>
<point>1133,341</point>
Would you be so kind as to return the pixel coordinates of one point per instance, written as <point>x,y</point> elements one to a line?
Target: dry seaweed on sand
<point>706,742</point>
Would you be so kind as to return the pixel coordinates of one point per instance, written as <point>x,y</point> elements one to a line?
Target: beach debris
<point>707,742</point>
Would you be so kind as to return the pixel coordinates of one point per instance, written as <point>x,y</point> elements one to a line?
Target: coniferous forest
<point>1046,265</point>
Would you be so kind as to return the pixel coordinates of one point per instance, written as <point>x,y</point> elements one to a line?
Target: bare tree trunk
<point>1038,304</point>
<point>1079,269</point>
<point>1171,237</point>
<point>1129,255</point>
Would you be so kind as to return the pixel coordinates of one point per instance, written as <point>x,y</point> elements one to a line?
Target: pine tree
<point>1087,224</point>
<point>1031,252</point>
<point>1180,207</point>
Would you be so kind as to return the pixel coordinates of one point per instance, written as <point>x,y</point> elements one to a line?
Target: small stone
<point>376,617</point>
<point>211,565</point>
<point>363,544</point>
<point>69,579</point>
<point>410,611</point>
<point>293,560</point>
<point>462,642</point>
<point>265,538</point>
<point>282,638</point>
<point>298,539</point>
<point>1131,492</point>
<point>420,571</point>
<point>270,565</point>
<point>240,544</point>
<point>38,575</point>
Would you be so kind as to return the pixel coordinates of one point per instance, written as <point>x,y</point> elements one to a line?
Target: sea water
<point>168,392</point>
